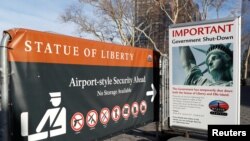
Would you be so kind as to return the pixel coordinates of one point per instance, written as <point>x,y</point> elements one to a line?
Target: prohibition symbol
<point>77,121</point>
<point>135,109</point>
<point>143,107</point>
<point>116,113</point>
<point>126,111</point>
<point>92,118</point>
<point>104,116</point>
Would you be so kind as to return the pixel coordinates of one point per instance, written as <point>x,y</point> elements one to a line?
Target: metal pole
<point>4,88</point>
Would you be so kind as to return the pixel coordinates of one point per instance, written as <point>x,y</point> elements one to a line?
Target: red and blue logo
<point>218,107</point>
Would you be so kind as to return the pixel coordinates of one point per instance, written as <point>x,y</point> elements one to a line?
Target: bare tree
<point>108,20</point>
<point>180,10</point>
<point>217,4</point>
<point>236,9</point>
<point>114,20</point>
<point>176,11</point>
<point>205,5</point>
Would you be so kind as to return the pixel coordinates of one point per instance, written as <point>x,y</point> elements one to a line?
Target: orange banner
<point>42,47</point>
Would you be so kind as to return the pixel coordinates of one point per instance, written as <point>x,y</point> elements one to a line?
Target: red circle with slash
<point>116,113</point>
<point>77,121</point>
<point>104,116</point>
<point>92,118</point>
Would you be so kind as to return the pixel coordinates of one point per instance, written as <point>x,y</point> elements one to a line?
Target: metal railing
<point>4,81</point>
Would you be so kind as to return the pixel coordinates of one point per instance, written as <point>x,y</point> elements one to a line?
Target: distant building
<point>147,12</point>
<point>156,22</point>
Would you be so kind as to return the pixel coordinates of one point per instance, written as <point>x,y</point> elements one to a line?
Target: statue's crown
<point>220,47</point>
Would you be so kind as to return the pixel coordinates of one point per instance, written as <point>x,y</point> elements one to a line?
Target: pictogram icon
<point>92,118</point>
<point>135,109</point>
<point>104,116</point>
<point>116,113</point>
<point>77,121</point>
<point>126,111</point>
<point>143,107</point>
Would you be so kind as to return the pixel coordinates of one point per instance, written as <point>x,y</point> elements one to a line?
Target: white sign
<point>204,74</point>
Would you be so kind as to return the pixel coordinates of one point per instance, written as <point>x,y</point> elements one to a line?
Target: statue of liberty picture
<point>203,65</point>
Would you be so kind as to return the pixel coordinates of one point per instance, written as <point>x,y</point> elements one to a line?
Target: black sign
<point>47,96</point>
<point>65,88</point>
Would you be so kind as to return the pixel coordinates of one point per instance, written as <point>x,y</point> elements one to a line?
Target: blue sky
<point>42,15</point>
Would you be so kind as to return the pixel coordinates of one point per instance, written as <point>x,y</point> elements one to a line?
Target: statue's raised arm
<point>187,59</point>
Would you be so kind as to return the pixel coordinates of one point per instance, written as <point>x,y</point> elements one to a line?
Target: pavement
<point>144,133</point>
<point>149,133</point>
